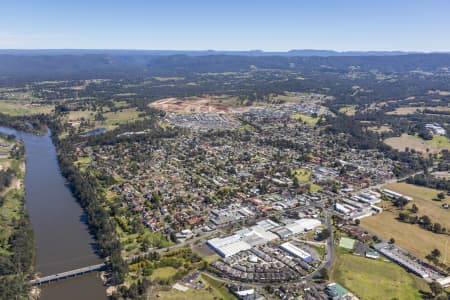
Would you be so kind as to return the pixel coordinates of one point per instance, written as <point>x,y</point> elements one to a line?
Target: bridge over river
<point>68,274</point>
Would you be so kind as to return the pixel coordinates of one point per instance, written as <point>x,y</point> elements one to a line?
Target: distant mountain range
<point>301,52</point>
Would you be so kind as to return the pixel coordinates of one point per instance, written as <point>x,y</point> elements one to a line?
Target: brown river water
<point>62,238</point>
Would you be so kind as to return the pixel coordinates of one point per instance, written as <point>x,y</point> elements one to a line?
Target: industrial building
<point>294,250</point>
<point>244,239</point>
<point>395,195</point>
<point>303,225</point>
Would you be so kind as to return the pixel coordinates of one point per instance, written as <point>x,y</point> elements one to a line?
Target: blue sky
<point>415,25</point>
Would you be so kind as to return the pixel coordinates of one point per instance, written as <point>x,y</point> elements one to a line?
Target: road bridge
<point>68,274</point>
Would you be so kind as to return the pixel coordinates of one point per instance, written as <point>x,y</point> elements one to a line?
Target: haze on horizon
<point>283,25</point>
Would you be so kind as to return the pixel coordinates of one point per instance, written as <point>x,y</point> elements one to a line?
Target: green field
<point>21,108</point>
<point>163,273</point>
<point>440,141</point>
<point>302,175</point>
<point>375,279</point>
<point>304,118</point>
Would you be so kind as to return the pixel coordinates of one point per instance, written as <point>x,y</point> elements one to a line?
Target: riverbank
<point>17,248</point>
<point>62,237</point>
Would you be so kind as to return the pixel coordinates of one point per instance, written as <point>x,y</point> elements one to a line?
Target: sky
<point>276,25</point>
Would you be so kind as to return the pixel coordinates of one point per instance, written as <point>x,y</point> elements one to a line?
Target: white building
<point>294,250</point>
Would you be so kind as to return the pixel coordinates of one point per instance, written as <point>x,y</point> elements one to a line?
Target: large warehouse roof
<point>294,250</point>
<point>303,225</point>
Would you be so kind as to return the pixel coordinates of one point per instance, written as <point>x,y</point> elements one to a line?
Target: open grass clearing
<point>423,199</point>
<point>302,175</point>
<point>380,129</point>
<point>411,237</point>
<point>375,279</point>
<point>408,110</point>
<point>349,110</point>
<point>163,273</point>
<point>412,142</point>
<point>305,118</point>
<point>14,108</point>
<point>440,141</point>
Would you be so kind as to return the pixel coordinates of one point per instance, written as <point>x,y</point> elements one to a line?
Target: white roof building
<point>303,225</point>
<point>294,250</point>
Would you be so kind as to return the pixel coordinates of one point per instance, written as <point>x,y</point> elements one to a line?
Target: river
<point>63,242</point>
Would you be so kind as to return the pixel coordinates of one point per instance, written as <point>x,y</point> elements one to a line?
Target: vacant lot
<point>375,279</point>
<point>412,142</point>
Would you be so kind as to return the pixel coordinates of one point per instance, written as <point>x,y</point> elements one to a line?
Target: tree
<point>324,234</point>
<point>441,196</point>
<point>436,253</point>
<point>414,208</point>
<point>437,228</point>
<point>436,288</point>
<point>392,241</point>
<point>357,222</point>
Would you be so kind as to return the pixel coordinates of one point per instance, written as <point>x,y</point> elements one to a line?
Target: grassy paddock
<point>418,241</point>
<point>375,279</point>
<point>163,273</point>
<point>413,142</point>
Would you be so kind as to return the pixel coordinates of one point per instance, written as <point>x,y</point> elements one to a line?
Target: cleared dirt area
<point>411,142</point>
<point>197,105</point>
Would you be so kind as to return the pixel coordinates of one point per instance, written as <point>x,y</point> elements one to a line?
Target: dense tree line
<point>430,181</point>
<point>33,123</point>
<point>17,268</point>
<point>89,194</point>
<point>6,177</point>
